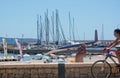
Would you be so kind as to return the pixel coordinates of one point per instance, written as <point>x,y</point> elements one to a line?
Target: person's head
<point>83,46</point>
<point>117,33</point>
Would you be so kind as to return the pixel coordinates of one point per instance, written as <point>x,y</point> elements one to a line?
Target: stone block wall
<point>47,71</point>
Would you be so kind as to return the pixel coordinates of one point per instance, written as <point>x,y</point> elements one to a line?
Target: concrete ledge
<point>75,70</point>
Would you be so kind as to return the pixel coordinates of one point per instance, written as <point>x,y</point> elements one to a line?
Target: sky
<point>18,17</point>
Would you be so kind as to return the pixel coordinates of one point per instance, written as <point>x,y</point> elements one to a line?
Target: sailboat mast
<point>38,30</point>
<point>41,32</point>
<point>57,28</point>
<point>84,37</point>
<point>53,27</point>
<point>102,35</point>
<point>102,32</point>
<point>73,30</point>
<point>47,27</point>
<point>69,26</point>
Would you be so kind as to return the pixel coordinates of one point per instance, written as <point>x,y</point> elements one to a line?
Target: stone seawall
<point>76,70</point>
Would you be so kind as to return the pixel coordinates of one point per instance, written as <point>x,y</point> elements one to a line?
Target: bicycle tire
<point>109,69</point>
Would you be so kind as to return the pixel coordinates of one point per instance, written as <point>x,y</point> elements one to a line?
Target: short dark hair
<point>117,30</point>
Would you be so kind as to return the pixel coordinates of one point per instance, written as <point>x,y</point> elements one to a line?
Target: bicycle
<point>102,68</point>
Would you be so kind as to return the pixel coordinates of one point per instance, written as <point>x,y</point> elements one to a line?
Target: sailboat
<point>71,47</point>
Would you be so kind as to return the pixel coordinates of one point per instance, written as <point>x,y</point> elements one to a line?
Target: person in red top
<point>115,43</point>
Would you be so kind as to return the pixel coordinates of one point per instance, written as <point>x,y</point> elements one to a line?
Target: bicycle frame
<point>108,55</point>
<point>104,64</point>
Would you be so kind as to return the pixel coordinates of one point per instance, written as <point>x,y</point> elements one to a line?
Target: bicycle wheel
<point>101,69</point>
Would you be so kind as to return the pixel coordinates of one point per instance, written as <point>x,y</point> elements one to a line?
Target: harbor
<point>59,39</point>
<point>52,57</point>
<point>51,39</point>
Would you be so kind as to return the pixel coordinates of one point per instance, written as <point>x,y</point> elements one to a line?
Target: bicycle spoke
<point>101,69</point>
